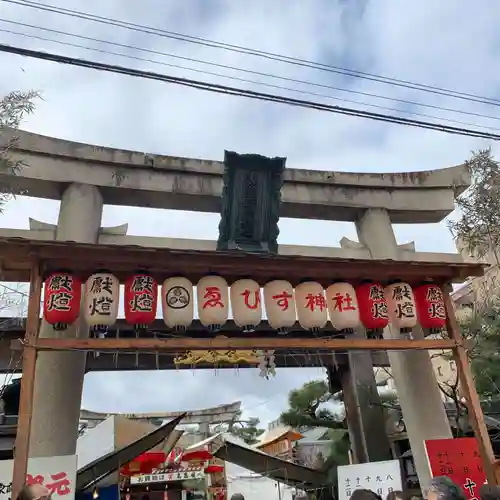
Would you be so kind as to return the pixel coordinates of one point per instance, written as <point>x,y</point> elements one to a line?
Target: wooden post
<point>468,388</point>
<point>28,381</point>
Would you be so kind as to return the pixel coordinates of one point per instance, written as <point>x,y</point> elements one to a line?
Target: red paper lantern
<point>144,463</point>
<point>431,312</point>
<point>141,300</point>
<point>61,302</point>
<point>372,306</point>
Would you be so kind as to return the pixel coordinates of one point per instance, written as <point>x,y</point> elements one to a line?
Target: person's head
<point>237,496</point>
<point>365,495</point>
<point>489,492</point>
<point>443,488</point>
<point>395,495</point>
<point>34,492</point>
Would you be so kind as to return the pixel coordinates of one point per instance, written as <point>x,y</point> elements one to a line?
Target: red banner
<point>459,459</point>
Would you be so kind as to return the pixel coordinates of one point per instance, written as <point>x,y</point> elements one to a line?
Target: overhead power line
<point>292,80</point>
<point>259,53</point>
<point>221,75</point>
<point>224,89</point>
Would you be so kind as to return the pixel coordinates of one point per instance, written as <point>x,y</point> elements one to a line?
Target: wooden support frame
<point>468,388</point>
<point>179,344</point>
<point>21,451</point>
<point>17,254</point>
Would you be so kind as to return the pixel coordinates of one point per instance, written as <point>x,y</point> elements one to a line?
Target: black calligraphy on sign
<point>401,292</point>
<point>376,293</point>
<point>102,284</point>
<point>142,303</point>
<point>379,310</point>
<point>101,306</point>
<point>405,309</point>
<point>178,297</point>
<point>59,301</point>
<point>6,489</point>
<point>437,310</point>
<point>434,294</point>
<point>61,282</point>
<point>143,284</point>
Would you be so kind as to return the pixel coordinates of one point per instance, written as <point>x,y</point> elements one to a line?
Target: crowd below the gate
<point>440,488</point>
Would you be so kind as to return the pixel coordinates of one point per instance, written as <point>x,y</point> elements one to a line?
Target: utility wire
<point>293,80</point>
<point>220,75</point>
<point>248,51</point>
<point>224,89</point>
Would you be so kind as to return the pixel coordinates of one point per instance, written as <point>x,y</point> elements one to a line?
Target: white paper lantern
<point>279,299</point>
<point>401,305</point>
<point>246,304</point>
<point>177,303</point>
<point>342,306</point>
<point>311,306</point>
<point>213,302</point>
<point>102,298</point>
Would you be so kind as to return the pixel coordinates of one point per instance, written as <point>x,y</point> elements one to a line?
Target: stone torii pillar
<point>423,410</point>
<point>59,375</point>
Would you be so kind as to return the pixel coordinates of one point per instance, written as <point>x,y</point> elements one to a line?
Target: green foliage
<point>248,430</point>
<point>305,409</point>
<point>478,227</point>
<point>13,108</point>
<point>482,329</point>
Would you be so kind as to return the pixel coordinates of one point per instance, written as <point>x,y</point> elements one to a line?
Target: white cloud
<point>451,43</point>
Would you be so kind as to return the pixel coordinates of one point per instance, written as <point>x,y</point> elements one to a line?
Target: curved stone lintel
<point>351,244</point>
<point>195,184</point>
<point>408,247</point>
<point>37,225</point>
<point>120,230</point>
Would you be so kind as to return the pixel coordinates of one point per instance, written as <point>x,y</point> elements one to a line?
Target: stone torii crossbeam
<point>85,177</point>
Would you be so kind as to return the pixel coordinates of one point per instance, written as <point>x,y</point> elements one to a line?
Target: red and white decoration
<point>213,302</point>
<point>177,303</point>
<point>246,304</point>
<point>372,306</point>
<point>141,300</point>
<point>311,305</point>
<point>401,305</point>
<point>279,299</point>
<point>61,302</point>
<point>431,311</point>
<point>102,296</point>
<point>343,306</point>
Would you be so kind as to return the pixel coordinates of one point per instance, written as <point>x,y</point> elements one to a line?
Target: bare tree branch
<point>13,108</point>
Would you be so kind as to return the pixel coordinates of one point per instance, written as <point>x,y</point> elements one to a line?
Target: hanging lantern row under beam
<point>347,307</point>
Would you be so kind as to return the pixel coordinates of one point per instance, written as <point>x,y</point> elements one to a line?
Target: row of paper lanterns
<point>371,305</point>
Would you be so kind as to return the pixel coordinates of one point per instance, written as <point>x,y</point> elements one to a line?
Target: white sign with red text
<point>58,474</point>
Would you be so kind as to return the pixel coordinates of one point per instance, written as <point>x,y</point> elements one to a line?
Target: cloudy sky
<point>450,44</point>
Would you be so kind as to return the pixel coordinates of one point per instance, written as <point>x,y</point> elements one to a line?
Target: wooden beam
<point>182,344</point>
<point>21,451</point>
<point>468,388</point>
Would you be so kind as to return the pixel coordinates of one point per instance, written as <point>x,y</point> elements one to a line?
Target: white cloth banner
<point>58,474</point>
<point>380,477</point>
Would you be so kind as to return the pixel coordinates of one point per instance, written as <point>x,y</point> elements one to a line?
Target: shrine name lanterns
<point>246,304</point>
<point>61,302</point>
<point>372,306</point>
<point>102,296</point>
<point>343,306</point>
<point>311,306</point>
<point>177,303</point>
<point>401,305</point>
<point>213,301</point>
<point>431,312</point>
<point>141,300</point>
<point>280,305</point>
